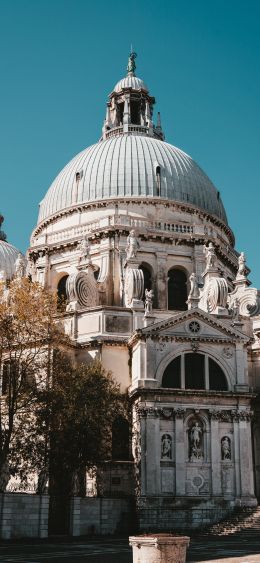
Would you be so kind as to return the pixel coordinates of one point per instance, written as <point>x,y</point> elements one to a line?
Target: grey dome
<point>125,166</point>
<point>130,81</point>
<point>8,257</point>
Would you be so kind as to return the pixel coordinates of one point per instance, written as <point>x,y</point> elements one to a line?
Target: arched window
<point>177,290</point>
<point>120,439</point>
<point>194,371</point>
<point>217,379</point>
<point>172,374</point>
<point>62,293</point>
<point>158,180</point>
<point>147,278</point>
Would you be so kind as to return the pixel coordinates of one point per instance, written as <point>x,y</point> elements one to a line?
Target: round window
<point>194,327</point>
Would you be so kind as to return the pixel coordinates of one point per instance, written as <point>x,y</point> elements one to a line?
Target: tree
<point>28,333</point>
<point>77,411</point>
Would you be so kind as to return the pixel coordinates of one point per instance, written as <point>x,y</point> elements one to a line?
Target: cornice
<point>99,204</point>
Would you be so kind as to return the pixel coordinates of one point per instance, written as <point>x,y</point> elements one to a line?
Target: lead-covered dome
<point>8,255</point>
<point>131,160</point>
<point>129,166</point>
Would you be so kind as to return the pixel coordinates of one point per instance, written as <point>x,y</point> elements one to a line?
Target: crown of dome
<point>128,166</point>
<point>130,81</point>
<point>8,257</point>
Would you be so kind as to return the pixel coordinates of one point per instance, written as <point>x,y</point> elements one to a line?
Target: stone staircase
<point>244,521</point>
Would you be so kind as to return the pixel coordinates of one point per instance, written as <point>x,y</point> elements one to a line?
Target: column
<point>153,452</point>
<point>246,465</point>
<point>162,280</point>
<point>215,455</point>
<point>180,452</point>
<point>237,456</point>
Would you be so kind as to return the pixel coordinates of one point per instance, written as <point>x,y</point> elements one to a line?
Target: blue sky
<point>60,59</point>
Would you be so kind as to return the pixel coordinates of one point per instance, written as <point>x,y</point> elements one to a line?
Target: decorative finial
<point>2,234</point>
<point>131,62</point>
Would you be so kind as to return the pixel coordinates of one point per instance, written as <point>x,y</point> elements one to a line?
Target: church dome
<point>128,166</point>
<point>131,160</point>
<point>8,254</point>
<point>8,257</point>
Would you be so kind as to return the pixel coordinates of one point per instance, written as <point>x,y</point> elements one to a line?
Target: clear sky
<point>200,59</point>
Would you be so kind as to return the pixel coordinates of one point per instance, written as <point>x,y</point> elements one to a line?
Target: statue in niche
<point>4,476</point>
<point>42,482</point>
<point>148,304</point>
<point>132,245</point>
<point>241,266</point>
<point>225,449</point>
<point>195,442</point>
<point>20,266</point>
<point>209,252</point>
<point>166,447</point>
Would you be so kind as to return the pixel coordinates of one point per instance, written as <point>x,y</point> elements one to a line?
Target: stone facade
<point>155,289</point>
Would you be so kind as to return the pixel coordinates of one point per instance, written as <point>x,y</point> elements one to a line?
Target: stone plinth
<point>159,548</point>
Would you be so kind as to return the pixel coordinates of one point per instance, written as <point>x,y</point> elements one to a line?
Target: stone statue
<point>166,448</point>
<point>132,245</point>
<point>209,252</point>
<point>225,448</point>
<point>20,266</point>
<point>241,266</point>
<point>84,248</point>
<point>195,438</point>
<point>4,476</point>
<point>235,310</point>
<point>131,62</point>
<point>148,304</point>
<point>42,481</point>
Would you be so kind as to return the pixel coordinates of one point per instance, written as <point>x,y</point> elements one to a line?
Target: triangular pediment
<point>194,323</point>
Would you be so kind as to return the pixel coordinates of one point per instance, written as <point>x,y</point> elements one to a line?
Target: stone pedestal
<point>159,548</point>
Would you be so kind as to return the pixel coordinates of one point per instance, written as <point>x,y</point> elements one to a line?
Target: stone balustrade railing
<point>126,221</point>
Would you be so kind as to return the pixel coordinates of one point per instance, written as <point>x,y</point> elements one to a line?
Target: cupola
<point>130,108</point>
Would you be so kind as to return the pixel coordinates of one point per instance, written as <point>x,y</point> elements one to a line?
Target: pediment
<point>197,324</point>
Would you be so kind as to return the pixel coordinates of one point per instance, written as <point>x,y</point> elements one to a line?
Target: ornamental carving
<point>179,413</point>
<point>228,352</point>
<point>82,289</point>
<point>217,293</point>
<point>134,285</point>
